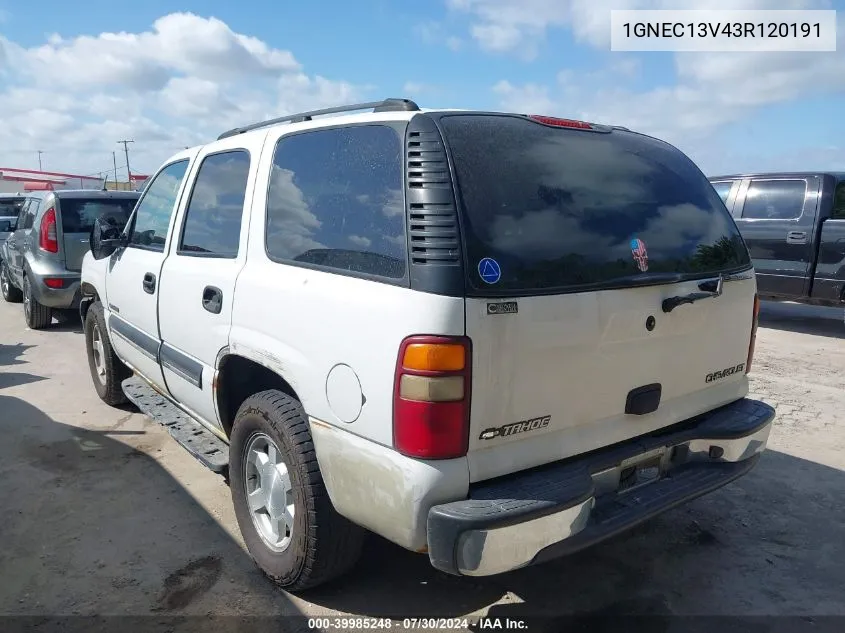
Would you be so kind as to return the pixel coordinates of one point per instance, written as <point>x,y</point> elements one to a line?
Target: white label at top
<point>723,31</point>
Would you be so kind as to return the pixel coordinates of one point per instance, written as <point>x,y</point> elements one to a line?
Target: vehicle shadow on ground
<point>92,525</point>
<point>67,322</point>
<point>803,319</point>
<point>766,544</point>
<point>11,355</point>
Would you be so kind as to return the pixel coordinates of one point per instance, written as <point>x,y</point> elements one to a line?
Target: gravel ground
<point>104,514</point>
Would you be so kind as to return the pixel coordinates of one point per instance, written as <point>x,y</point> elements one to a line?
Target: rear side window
<point>774,199</point>
<point>79,214</point>
<point>28,213</point>
<point>335,201</point>
<point>552,209</point>
<point>723,189</point>
<point>213,217</point>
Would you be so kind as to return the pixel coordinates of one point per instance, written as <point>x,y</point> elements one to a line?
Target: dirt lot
<point>104,513</point>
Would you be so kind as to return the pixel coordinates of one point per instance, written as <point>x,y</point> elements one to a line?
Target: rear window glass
<point>550,209</point>
<point>79,214</point>
<point>10,208</point>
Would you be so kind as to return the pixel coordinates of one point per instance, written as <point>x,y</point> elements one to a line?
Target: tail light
<point>754,319</point>
<point>47,239</point>
<point>54,282</point>
<point>431,396</point>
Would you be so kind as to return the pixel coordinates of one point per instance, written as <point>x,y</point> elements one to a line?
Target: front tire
<point>37,316</point>
<point>10,293</point>
<point>292,531</point>
<point>107,370</point>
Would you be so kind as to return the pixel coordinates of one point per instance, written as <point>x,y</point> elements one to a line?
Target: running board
<point>204,445</point>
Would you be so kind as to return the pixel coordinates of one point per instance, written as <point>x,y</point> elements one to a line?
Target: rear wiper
<point>711,288</point>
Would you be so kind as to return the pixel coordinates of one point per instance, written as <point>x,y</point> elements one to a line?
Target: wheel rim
<point>269,494</point>
<point>27,300</point>
<point>99,354</point>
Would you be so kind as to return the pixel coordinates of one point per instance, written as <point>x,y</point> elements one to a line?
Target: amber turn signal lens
<point>434,357</point>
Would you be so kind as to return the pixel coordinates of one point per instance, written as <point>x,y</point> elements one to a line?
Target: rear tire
<point>107,370</point>
<point>37,316</point>
<point>320,545</point>
<point>10,293</point>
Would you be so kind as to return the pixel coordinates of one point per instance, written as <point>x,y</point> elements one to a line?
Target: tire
<point>322,545</point>
<point>110,372</point>
<point>37,316</point>
<point>10,293</point>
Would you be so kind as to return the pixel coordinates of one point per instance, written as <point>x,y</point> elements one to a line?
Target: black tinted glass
<point>774,199</point>
<point>78,215</point>
<point>213,222</point>
<point>839,202</point>
<point>550,209</point>
<point>335,200</point>
<point>11,207</point>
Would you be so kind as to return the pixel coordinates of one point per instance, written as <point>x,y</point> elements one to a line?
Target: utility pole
<point>128,171</point>
<point>39,159</point>
<point>114,159</point>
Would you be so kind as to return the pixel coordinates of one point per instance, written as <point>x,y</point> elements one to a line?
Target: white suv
<point>489,337</point>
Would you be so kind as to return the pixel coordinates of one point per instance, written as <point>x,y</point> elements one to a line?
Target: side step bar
<point>206,447</point>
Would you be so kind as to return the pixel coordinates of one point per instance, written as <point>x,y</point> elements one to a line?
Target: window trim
<point>752,180</point>
<point>181,253</point>
<point>399,127</point>
<point>130,226</point>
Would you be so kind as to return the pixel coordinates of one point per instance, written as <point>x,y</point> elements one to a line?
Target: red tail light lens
<point>554,121</point>
<point>431,396</point>
<point>54,282</point>
<point>754,319</point>
<point>47,238</point>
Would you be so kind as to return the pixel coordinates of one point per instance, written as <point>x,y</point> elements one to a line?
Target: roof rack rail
<point>386,105</point>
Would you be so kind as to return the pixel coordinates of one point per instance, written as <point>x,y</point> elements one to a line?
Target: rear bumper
<point>66,297</point>
<point>561,508</point>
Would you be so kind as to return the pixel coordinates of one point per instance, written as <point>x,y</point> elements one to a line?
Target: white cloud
<point>360,241</point>
<point>182,82</point>
<point>434,33</point>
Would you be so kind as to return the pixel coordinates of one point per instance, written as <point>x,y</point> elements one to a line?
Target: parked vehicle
<point>794,227</point>
<point>42,258</point>
<point>10,206</point>
<point>490,337</point>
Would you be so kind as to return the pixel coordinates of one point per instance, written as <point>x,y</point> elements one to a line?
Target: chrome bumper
<point>565,508</point>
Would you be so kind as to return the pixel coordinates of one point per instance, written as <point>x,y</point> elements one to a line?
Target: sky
<point>77,78</point>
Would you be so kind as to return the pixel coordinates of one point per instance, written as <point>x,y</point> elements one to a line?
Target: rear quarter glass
<point>548,209</point>
<point>79,214</point>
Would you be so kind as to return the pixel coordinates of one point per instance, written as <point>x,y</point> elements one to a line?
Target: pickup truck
<point>380,322</point>
<point>794,226</point>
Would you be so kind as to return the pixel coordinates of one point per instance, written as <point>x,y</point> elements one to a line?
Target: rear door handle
<point>796,237</point>
<point>212,299</point>
<point>149,283</point>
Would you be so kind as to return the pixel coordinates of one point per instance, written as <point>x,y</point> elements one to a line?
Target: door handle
<point>796,237</point>
<point>212,299</point>
<point>149,283</point>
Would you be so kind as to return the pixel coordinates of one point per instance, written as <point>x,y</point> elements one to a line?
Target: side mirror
<point>106,237</point>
